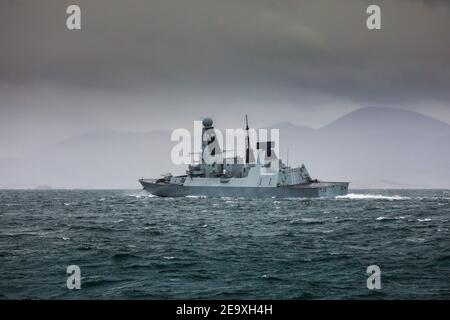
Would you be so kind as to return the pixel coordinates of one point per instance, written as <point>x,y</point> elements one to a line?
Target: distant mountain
<point>371,147</point>
<point>292,128</point>
<point>376,144</point>
<point>376,120</point>
<point>93,160</point>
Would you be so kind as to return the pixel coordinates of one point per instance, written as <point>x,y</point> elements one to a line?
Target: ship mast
<point>247,150</point>
<point>287,157</point>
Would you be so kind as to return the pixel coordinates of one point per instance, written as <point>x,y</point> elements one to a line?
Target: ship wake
<point>360,196</point>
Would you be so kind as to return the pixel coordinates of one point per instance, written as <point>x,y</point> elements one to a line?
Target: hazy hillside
<point>376,147</point>
<point>376,120</point>
<point>371,147</point>
<point>95,160</point>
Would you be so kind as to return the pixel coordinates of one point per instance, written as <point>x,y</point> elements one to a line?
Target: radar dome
<point>207,122</point>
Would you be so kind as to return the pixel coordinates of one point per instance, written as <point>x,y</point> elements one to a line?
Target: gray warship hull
<point>307,190</point>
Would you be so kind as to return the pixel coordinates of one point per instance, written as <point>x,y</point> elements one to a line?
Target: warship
<point>266,177</point>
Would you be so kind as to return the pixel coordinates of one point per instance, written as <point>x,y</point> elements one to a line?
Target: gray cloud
<point>140,65</point>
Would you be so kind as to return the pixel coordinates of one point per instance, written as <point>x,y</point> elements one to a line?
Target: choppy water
<point>131,245</point>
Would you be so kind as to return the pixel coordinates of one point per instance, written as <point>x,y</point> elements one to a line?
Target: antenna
<point>247,150</point>
<point>287,158</point>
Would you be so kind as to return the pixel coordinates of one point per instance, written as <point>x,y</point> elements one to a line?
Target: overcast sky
<point>141,65</point>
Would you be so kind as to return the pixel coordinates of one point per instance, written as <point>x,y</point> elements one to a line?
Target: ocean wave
<point>123,256</point>
<point>142,194</point>
<point>307,220</point>
<point>358,196</point>
<point>417,240</point>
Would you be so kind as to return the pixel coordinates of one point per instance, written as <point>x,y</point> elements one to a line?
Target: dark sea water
<point>134,246</point>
